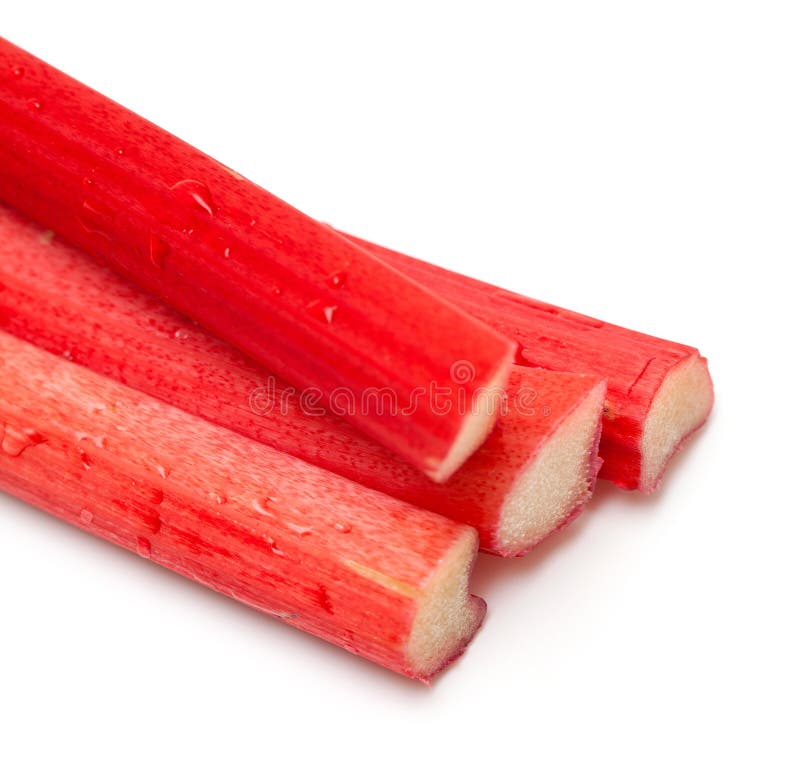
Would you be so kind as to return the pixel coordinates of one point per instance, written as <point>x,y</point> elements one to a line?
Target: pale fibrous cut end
<point>558,482</point>
<point>448,615</point>
<point>479,420</point>
<point>681,405</point>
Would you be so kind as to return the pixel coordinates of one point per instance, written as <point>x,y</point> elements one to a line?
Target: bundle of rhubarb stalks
<point>319,427</point>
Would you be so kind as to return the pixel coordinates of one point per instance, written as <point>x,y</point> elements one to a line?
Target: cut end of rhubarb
<point>478,423</point>
<point>558,483</point>
<point>448,615</point>
<point>681,405</point>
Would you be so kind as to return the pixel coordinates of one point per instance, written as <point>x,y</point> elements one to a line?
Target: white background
<point>636,161</point>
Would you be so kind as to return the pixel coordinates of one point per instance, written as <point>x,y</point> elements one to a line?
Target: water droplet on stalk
<point>196,193</point>
<point>17,440</point>
<point>18,71</point>
<point>34,104</point>
<point>86,517</point>
<point>151,519</point>
<point>162,470</point>
<point>159,250</point>
<point>301,530</point>
<point>261,505</point>
<point>336,280</point>
<point>281,614</point>
<point>342,527</point>
<point>324,599</point>
<point>101,442</point>
<point>143,548</point>
<point>94,216</point>
<point>233,173</point>
<point>322,311</point>
<point>146,492</point>
<point>84,458</point>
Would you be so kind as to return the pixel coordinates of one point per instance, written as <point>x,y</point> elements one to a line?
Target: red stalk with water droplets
<point>293,541</point>
<point>659,392</point>
<point>289,291</point>
<point>533,474</point>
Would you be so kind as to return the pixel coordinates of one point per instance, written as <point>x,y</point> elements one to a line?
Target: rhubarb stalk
<point>533,474</point>
<point>374,575</point>
<point>659,392</point>
<point>293,294</point>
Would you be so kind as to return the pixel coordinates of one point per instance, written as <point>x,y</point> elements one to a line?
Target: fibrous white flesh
<point>447,615</point>
<point>680,406</point>
<point>558,481</point>
<point>478,423</point>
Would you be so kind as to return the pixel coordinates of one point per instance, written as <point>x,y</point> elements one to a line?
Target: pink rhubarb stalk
<point>376,576</point>
<point>290,292</point>
<point>535,471</point>
<point>659,392</point>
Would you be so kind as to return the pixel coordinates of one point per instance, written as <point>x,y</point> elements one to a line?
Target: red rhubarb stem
<point>297,297</point>
<point>510,490</point>
<point>374,575</point>
<point>659,392</point>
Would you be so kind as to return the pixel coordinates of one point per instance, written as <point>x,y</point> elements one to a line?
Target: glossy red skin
<point>551,337</point>
<point>287,290</point>
<point>64,301</point>
<point>255,524</point>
